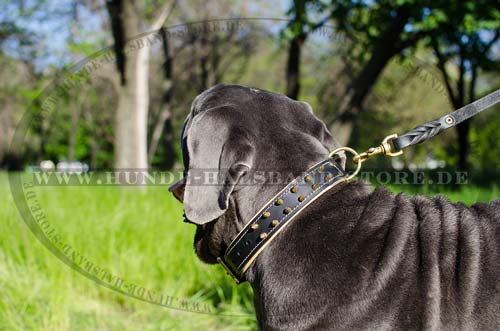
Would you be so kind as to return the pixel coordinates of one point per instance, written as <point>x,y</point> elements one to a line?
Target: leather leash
<point>393,145</point>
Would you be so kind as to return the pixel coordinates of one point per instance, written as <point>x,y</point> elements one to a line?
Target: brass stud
<point>321,169</point>
<point>294,189</point>
<point>266,214</point>
<point>302,198</point>
<point>263,235</point>
<point>287,210</point>
<point>254,226</point>
<point>275,223</point>
<point>328,177</point>
<point>315,186</point>
<point>308,178</point>
<point>279,202</point>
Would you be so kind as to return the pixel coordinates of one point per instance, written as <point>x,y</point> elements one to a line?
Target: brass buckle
<point>385,148</point>
<point>228,270</point>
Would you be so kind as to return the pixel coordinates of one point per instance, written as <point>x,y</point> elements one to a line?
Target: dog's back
<point>362,260</point>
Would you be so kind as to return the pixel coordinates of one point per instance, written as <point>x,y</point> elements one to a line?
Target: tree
<point>20,81</point>
<point>163,122</point>
<point>380,31</point>
<point>464,46</point>
<point>297,32</point>
<point>133,94</point>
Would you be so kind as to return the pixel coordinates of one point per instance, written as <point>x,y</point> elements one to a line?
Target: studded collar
<point>278,213</point>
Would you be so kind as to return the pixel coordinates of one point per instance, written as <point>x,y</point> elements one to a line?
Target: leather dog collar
<point>277,214</point>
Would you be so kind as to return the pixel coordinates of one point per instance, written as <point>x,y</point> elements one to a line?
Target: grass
<point>136,234</point>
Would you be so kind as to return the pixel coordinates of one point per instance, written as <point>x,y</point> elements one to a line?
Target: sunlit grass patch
<point>138,234</point>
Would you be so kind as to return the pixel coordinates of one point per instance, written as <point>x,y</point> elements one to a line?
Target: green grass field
<point>135,233</point>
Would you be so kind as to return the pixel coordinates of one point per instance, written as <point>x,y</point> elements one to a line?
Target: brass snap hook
<point>385,148</point>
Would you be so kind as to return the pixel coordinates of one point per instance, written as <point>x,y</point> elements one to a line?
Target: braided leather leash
<point>393,145</point>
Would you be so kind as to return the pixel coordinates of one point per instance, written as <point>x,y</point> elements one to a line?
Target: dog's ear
<point>217,163</point>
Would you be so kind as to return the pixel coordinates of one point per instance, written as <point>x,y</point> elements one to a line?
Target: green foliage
<point>256,48</point>
<point>485,141</point>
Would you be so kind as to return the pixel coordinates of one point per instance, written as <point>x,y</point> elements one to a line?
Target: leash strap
<point>277,214</point>
<point>393,145</point>
<point>428,130</point>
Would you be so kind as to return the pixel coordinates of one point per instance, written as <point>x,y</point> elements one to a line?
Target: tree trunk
<point>295,48</point>
<point>293,67</point>
<point>356,93</point>
<point>463,145</point>
<point>75,119</point>
<point>163,125</point>
<point>133,93</point>
<point>342,131</point>
<point>204,58</point>
<point>168,138</point>
<point>133,99</point>
<point>463,128</point>
<point>94,147</point>
<point>131,114</point>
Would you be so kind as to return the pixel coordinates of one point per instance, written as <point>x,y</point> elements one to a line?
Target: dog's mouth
<point>204,231</point>
<point>187,220</point>
<point>202,244</point>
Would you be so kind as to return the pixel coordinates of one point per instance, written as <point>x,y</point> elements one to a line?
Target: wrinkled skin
<point>357,258</point>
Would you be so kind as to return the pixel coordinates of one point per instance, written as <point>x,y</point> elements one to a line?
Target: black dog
<point>355,259</point>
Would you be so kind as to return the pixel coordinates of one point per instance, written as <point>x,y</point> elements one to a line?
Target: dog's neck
<point>262,194</point>
<point>269,270</point>
<point>332,201</point>
<point>247,199</point>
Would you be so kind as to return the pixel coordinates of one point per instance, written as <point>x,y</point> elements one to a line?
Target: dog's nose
<point>178,189</point>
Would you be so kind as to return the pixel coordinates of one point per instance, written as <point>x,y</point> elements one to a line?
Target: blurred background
<point>103,85</point>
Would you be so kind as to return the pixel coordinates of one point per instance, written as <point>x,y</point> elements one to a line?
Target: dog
<point>357,258</point>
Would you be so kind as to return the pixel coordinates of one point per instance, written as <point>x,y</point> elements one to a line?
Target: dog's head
<point>235,131</point>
